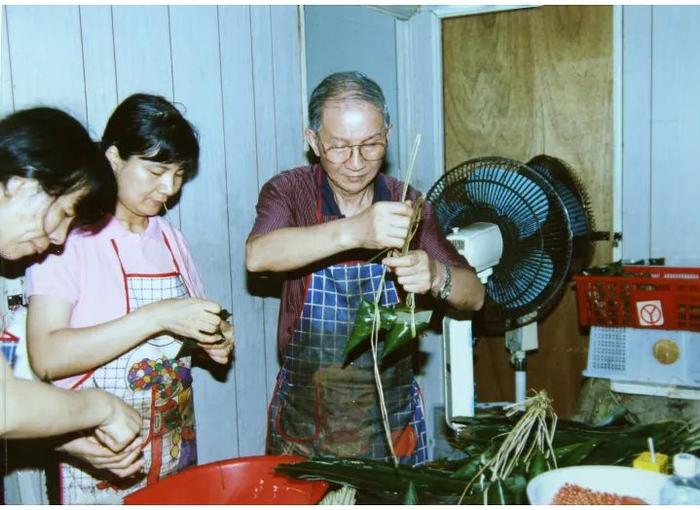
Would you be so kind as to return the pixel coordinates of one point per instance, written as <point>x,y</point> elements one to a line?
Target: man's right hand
<point>383,225</point>
<point>121,425</point>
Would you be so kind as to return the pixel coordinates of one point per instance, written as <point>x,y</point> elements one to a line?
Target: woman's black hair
<point>52,147</point>
<point>151,128</point>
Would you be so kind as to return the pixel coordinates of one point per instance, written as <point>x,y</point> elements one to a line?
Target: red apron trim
<point>82,379</point>
<point>153,275</point>
<point>278,385</point>
<point>167,244</point>
<point>317,422</point>
<point>319,200</point>
<point>405,441</point>
<point>124,277</point>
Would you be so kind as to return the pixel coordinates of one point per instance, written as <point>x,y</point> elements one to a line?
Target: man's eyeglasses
<point>372,151</point>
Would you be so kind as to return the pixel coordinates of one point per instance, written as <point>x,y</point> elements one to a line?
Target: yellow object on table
<point>643,461</point>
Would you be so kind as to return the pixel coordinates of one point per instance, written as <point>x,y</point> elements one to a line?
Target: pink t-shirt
<point>88,275</point>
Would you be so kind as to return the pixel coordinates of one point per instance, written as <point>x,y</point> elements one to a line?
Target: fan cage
<point>534,224</point>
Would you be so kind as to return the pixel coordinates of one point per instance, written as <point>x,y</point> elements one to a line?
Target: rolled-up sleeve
<point>433,241</point>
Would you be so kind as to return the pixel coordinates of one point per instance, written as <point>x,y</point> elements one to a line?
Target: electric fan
<point>475,204</point>
<point>578,205</point>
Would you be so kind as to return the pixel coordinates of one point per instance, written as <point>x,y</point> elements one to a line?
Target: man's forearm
<point>291,248</point>
<point>467,291</point>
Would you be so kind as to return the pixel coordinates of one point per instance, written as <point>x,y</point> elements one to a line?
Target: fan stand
<point>458,365</point>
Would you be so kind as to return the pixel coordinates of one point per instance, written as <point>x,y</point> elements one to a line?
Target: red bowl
<point>240,481</point>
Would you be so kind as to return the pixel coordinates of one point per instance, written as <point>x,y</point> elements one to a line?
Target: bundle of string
<point>532,431</point>
<point>410,300</point>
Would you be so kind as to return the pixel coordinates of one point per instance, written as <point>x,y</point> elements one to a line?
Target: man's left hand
<point>416,271</point>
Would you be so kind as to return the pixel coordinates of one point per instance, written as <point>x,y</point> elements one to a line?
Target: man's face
<point>349,122</point>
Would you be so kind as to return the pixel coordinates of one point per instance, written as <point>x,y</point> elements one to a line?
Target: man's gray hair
<point>346,85</point>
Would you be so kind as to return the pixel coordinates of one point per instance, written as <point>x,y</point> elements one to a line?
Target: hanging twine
<point>410,301</point>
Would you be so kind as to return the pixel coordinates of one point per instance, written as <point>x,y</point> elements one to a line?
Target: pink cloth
<point>88,274</point>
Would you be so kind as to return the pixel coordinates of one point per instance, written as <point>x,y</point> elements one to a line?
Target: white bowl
<point>624,481</point>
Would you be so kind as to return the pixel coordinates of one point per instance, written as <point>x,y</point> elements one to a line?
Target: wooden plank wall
<point>518,84</point>
<point>236,72</point>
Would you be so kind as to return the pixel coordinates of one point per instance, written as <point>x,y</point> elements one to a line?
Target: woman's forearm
<point>57,351</point>
<point>36,409</point>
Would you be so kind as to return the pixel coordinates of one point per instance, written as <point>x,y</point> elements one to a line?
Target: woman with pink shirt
<point>111,311</point>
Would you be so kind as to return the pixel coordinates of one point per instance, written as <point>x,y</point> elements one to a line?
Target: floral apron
<point>158,386</point>
<point>321,407</point>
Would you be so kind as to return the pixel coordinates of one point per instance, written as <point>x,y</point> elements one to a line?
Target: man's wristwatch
<point>446,287</point>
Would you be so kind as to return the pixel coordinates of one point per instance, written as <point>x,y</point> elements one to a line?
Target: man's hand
<point>123,464</point>
<point>416,271</point>
<point>382,225</point>
<point>121,423</point>
<point>221,351</point>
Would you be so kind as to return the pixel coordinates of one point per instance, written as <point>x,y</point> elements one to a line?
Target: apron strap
<point>172,255</point>
<point>124,277</point>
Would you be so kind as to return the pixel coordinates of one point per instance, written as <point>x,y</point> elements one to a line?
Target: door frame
<point>420,92</point>
<point>420,99</point>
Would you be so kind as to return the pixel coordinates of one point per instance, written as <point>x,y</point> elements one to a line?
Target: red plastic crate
<point>650,297</point>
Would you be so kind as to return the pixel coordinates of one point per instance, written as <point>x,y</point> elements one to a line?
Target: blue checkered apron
<point>322,407</point>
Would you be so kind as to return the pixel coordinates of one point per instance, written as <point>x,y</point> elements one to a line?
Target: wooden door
<point>518,84</point>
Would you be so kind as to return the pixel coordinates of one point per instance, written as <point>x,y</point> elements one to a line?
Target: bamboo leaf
<point>362,329</point>
<point>538,465</point>
<point>401,333</point>
<point>574,454</point>
<point>468,471</point>
<point>411,498</point>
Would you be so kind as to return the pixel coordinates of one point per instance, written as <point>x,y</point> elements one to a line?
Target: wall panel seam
<point>114,53</point>
<point>6,21</point>
<point>228,213</point>
<point>82,60</point>
<point>172,64</point>
<point>650,225</point>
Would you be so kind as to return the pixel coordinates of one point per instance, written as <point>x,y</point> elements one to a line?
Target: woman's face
<point>31,219</point>
<point>144,186</point>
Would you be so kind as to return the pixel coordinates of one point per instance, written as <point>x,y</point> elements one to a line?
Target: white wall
<point>236,72</point>
<point>661,133</point>
<point>353,38</point>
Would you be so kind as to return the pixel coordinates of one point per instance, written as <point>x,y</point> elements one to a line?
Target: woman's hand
<point>220,351</point>
<point>121,423</point>
<point>88,449</point>
<point>190,318</point>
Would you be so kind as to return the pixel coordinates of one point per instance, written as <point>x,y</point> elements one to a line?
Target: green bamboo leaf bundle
<point>444,482</point>
<point>402,326</point>
<point>609,445</point>
<point>381,483</point>
<point>406,327</point>
<point>364,322</point>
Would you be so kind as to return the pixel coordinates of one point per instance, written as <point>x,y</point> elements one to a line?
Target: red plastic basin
<point>240,481</point>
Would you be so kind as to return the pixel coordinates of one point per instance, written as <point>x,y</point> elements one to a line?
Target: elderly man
<point>321,225</point>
